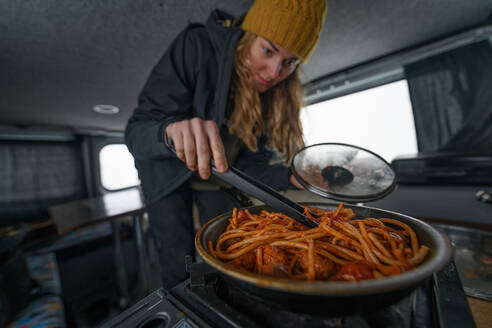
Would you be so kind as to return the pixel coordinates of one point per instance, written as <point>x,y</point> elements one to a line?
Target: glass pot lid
<point>343,172</point>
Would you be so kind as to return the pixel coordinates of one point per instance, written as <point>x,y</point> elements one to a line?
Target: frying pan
<point>329,296</point>
<point>319,296</point>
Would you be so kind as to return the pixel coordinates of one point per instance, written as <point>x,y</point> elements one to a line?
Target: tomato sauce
<point>360,270</point>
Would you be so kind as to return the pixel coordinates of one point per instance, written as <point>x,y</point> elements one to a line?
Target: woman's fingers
<point>173,132</point>
<point>189,146</point>
<point>216,145</point>
<point>295,183</point>
<point>202,148</point>
<point>196,142</point>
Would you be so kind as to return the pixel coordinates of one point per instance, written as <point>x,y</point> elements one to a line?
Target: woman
<point>228,91</point>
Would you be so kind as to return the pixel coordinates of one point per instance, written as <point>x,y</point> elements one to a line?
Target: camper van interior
<point>410,81</point>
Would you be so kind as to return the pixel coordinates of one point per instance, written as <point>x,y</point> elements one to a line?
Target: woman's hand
<point>295,183</point>
<point>195,140</point>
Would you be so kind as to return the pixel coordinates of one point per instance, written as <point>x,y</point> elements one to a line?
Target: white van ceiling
<point>60,58</point>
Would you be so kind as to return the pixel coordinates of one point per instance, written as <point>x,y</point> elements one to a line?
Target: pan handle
<point>259,190</point>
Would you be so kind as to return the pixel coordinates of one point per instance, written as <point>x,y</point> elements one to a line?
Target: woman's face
<point>270,63</point>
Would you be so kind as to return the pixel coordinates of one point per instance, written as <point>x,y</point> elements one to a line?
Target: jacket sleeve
<point>166,97</point>
<point>256,165</point>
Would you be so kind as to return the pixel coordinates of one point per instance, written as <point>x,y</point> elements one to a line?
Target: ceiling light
<point>106,109</point>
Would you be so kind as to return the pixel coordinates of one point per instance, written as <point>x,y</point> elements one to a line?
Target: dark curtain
<point>35,175</point>
<point>451,97</point>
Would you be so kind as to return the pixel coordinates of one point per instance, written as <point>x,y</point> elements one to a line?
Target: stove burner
<point>240,309</point>
<point>270,316</point>
<point>158,322</point>
<point>207,300</point>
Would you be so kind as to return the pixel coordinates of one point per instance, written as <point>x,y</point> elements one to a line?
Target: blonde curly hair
<point>276,112</point>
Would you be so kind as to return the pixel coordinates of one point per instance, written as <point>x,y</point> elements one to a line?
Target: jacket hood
<point>219,25</point>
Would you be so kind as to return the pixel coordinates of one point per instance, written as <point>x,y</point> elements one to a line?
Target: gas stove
<point>207,300</point>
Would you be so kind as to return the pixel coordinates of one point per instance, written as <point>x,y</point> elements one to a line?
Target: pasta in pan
<point>341,248</point>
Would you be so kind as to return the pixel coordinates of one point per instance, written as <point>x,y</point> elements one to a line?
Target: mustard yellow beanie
<point>293,24</point>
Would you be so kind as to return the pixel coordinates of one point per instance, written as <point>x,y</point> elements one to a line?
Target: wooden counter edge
<point>482,311</point>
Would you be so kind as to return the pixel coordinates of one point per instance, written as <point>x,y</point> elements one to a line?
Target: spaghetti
<point>341,248</point>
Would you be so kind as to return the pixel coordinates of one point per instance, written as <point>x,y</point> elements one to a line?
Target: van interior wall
<point>37,174</point>
<point>38,171</point>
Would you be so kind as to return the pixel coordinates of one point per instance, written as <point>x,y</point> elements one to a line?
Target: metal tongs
<point>260,191</point>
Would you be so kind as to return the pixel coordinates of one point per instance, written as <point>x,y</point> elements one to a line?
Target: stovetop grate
<point>207,292</point>
<point>206,300</point>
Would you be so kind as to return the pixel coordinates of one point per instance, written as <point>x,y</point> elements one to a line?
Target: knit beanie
<point>292,24</point>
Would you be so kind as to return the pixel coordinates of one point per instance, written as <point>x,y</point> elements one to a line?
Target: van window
<point>378,119</point>
<point>117,167</point>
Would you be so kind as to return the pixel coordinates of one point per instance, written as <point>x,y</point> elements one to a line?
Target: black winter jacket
<point>190,80</point>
